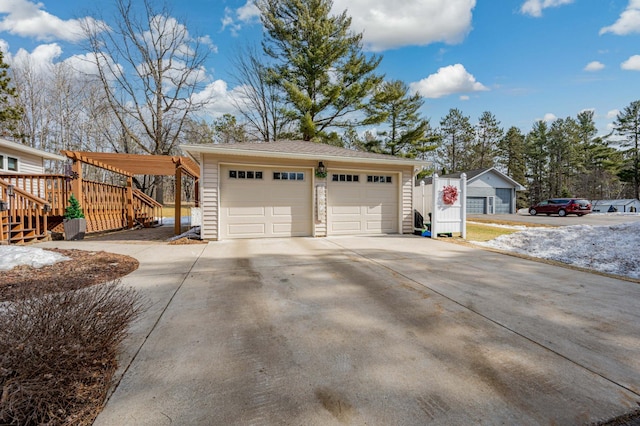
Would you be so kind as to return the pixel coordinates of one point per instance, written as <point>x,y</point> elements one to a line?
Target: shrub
<point>59,353</point>
<point>73,210</point>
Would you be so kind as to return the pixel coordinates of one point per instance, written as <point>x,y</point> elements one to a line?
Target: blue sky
<point>523,60</point>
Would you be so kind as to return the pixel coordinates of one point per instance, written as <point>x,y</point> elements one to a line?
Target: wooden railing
<point>26,217</point>
<point>146,210</point>
<point>55,189</point>
<point>104,206</point>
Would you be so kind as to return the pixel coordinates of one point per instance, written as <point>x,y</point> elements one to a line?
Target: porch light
<point>10,191</point>
<point>321,168</point>
<point>4,206</point>
<point>46,208</point>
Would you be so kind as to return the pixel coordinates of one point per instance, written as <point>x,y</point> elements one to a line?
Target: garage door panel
<point>345,226</point>
<point>345,210</point>
<point>362,207</point>
<point>245,229</point>
<point>246,211</point>
<point>262,208</point>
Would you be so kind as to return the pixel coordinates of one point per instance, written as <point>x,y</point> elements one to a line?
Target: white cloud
<point>387,24</point>
<point>594,66</point>
<point>535,7</point>
<point>448,80</point>
<point>631,64</point>
<point>218,99</point>
<point>549,117</point>
<point>27,19</point>
<point>464,98</point>
<point>613,114</point>
<point>41,58</point>
<point>628,22</point>
<point>244,15</point>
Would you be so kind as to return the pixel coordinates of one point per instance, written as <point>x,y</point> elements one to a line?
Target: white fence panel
<point>449,217</point>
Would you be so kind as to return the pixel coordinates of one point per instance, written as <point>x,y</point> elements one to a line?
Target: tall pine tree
<point>627,125</point>
<point>457,135</point>
<point>406,133</point>
<point>10,111</point>
<point>511,157</point>
<point>318,62</point>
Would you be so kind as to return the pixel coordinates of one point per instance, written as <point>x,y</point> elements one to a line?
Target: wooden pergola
<point>131,165</point>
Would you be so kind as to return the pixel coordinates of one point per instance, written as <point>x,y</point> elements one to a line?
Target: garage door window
<point>379,179</point>
<point>288,176</point>
<point>245,174</point>
<point>345,178</point>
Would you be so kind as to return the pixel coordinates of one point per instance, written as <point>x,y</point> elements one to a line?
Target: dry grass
<point>480,232</point>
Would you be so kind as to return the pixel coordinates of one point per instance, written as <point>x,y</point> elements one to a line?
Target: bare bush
<point>58,353</point>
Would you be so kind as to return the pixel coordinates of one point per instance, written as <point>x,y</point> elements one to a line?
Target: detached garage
<point>489,191</point>
<point>295,188</point>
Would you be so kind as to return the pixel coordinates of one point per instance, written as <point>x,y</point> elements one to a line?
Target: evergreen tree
<point>627,125</point>
<point>228,130</point>
<point>73,210</point>
<point>537,161</point>
<point>511,157</point>
<point>407,134</point>
<point>488,134</point>
<point>317,61</point>
<point>457,134</point>
<point>562,145</point>
<point>10,112</point>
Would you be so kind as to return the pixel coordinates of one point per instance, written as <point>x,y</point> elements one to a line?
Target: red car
<point>561,207</point>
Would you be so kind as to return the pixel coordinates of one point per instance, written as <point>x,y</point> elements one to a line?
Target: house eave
<point>230,151</point>
<point>29,150</point>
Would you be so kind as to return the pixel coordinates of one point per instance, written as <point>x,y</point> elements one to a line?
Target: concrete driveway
<point>371,330</point>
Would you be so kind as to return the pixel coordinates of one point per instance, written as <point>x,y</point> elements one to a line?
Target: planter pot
<point>74,229</point>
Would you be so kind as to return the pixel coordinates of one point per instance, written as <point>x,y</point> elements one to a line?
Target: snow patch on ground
<point>12,256</point>
<point>611,249</point>
<point>193,233</point>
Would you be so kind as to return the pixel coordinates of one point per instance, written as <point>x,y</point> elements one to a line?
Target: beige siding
<point>407,201</point>
<point>28,164</point>
<point>209,198</point>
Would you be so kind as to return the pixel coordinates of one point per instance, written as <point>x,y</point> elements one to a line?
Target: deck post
<point>76,183</point>
<point>177,230</point>
<point>196,190</point>
<point>129,212</point>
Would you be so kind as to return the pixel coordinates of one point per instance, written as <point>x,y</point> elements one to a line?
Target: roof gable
<point>476,174</point>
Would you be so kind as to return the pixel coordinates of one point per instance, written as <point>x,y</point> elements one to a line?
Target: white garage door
<point>362,203</point>
<point>262,202</point>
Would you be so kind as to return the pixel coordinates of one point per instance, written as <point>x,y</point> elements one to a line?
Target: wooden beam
<point>77,156</point>
<point>76,183</point>
<point>177,230</point>
<point>129,202</point>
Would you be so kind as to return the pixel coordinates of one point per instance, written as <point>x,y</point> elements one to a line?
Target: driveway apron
<point>373,330</point>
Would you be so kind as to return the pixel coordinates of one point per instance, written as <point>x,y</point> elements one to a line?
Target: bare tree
<point>260,101</point>
<point>150,68</point>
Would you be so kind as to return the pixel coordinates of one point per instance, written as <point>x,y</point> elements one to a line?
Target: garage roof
<point>300,150</point>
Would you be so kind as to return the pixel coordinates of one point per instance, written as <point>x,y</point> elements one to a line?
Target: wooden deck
<point>39,201</point>
<point>36,203</point>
